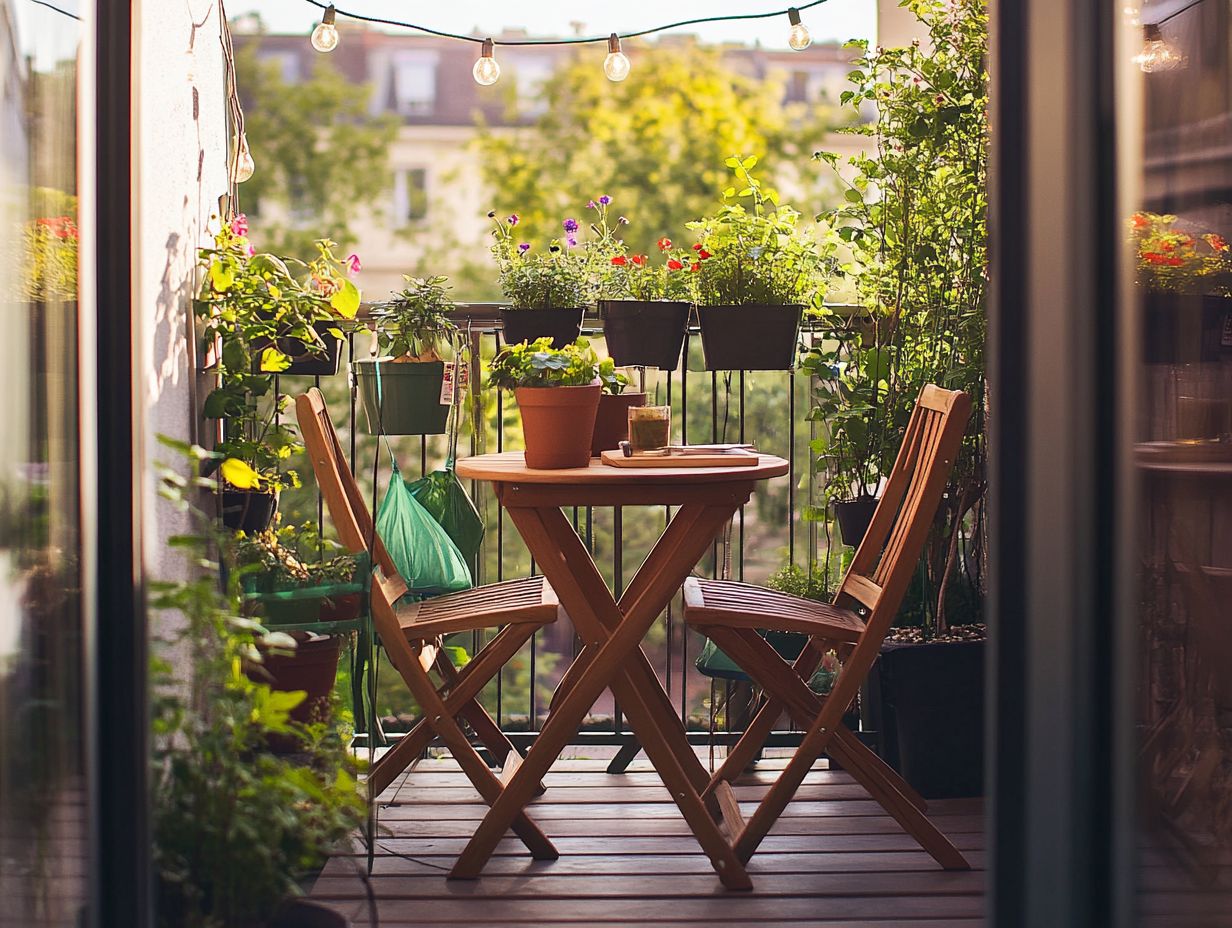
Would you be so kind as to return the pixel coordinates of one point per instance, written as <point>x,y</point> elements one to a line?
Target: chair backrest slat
<point>353,521</point>
<point>887,557</point>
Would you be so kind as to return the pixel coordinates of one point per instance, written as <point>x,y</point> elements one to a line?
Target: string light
<point>486,69</point>
<point>245,167</point>
<point>799,37</point>
<point>325,35</point>
<point>1157,54</point>
<point>616,64</point>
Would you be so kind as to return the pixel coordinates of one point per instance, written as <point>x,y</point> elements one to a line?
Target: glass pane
<point>42,777</point>
<point>1182,268</point>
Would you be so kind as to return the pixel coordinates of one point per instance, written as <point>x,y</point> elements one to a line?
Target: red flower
<point>639,260</point>
<point>1217,242</point>
<point>1166,246</point>
<point>620,260</point>
<point>703,253</point>
<point>665,243</point>
<point>1155,258</point>
<point>697,246</point>
<point>695,266</point>
<point>1139,221</point>
<point>674,265</point>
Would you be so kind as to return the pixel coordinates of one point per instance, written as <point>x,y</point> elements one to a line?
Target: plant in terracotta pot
<point>249,305</point>
<point>547,288</point>
<point>644,304</point>
<point>756,274</point>
<point>413,328</point>
<point>558,391</point>
<point>612,417</point>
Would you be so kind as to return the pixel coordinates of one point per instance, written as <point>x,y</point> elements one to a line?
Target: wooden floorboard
<point>835,859</point>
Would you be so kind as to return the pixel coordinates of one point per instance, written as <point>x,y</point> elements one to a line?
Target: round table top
<point>510,467</point>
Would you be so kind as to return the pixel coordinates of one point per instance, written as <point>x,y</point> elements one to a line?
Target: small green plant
<point>614,380</point>
<point>236,828</point>
<point>292,556</point>
<point>797,581</point>
<point>558,277</point>
<point>757,254</point>
<point>415,322</point>
<point>538,364</point>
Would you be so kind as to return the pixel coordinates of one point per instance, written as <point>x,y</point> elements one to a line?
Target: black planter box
<point>753,337</point>
<point>563,326</point>
<point>645,333</point>
<point>305,362</point>
<point>927,701</point>
<point>1181,328</point>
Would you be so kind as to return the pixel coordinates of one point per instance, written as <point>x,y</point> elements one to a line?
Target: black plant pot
<point>563,326</point>
<point>1181,328</point>
<point>754,337</point>
<point>928,704</point>
<point>854,516</point>
<point>304,913</point>
<point>646,333</point>
<point>303,361</point>
<point>248,511</point>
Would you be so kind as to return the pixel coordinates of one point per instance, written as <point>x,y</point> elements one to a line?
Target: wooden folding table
<point>612,631</point>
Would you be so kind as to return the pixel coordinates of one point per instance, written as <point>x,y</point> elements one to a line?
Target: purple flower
<point>590,205</point>
<point>571,240</point>
<point>524,247</point>
<point>571,226</point>
<point>513,220</point>
<point>605,199</point>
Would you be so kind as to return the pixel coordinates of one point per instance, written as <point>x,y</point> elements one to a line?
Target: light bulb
<point>325,35</point>
<point>486,70</point>
<point>1157,54</point>
<point>244,167</point>
<point>799,37</point>
<point>616,64</point>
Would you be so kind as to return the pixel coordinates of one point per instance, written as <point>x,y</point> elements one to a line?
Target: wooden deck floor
<point>627,858</point>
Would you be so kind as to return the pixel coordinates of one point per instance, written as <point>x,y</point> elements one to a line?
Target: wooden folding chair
<point>411,635</point>
<point>855,625</point>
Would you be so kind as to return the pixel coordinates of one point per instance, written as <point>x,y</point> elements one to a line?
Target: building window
<point>414,85</point>
<point>410,195</point>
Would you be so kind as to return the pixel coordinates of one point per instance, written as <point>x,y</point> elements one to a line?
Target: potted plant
<point>411,328</point>
<point>644,305</point>
<point>612,417</point>
<point>547,290</point>
<point>321,353</point>
<point>755,275</point>
<point>558,391</point>
<point>248,304</point>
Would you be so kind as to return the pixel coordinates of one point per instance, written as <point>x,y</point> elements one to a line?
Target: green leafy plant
<point>797,581</point>
<point>293,555</point>
<point>1171,258</point>
<point>913,222</point>
<point>614,380</point>
<point>538,364</point>
<point>49,269</point>
<point>757,253</point>
<point>558,277</point>
<point>415,322</point>
<point>236,829</point>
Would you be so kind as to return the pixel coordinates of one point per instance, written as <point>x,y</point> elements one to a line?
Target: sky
<point>834,20</point>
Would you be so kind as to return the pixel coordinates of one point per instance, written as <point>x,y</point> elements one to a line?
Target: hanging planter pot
<point>854,516</point>
<point>304,361</point>
<point>645,333</point>
<point>248,511</point>
<point>411,395</point>
<point>752,337</point>
<point>558,424</point>
<point>563,326</point>
<point>612,420</point>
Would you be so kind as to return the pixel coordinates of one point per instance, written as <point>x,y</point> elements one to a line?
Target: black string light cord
<point>580,40</point>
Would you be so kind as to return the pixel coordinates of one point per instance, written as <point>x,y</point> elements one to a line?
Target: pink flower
<point>239,225</point>
<point>251,250</point>
<point>353,265</point>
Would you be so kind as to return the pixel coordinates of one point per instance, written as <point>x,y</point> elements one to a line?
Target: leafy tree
<point>655,142</point>
<point>344,174</point>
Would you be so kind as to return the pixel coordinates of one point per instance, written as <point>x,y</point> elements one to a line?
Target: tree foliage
<point>302,190</point>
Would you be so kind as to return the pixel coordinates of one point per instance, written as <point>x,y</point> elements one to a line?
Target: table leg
<point>618,663</point>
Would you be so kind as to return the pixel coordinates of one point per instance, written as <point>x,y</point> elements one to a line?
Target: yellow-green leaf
<point>239,474</point>
<point>273,360</point>
<point>221,277</point>
<point>346,301</point>
<point>274,291</point>
<point>749,162</point>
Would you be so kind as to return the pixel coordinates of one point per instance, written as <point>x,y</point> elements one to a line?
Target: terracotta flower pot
<point>612,420</point>
<point>558,424</point>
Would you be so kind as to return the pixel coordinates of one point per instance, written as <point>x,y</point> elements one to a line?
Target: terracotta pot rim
<point>581,395</point>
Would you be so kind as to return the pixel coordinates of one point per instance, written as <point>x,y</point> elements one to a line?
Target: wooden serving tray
<point>676,459</point>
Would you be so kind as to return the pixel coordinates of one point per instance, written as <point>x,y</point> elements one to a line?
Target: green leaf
<point>346,301</point>
<point>853,196</point>
<point>221,277</point>
<point>749,162</point>
<point>274,361</point>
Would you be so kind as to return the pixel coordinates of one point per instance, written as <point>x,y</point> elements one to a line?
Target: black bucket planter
<point>304,362</point>
<point>756,337</point>
<point>563,326</point>
<point>410,397</point>
<point>1181,328</point>
<point>854,516</point>
<point>304,913</point>
<point>928,704</point>
<point>646,333</point>
<point>248,511</point>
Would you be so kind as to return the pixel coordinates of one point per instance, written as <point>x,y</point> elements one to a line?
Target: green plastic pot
<point>410,397</point>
